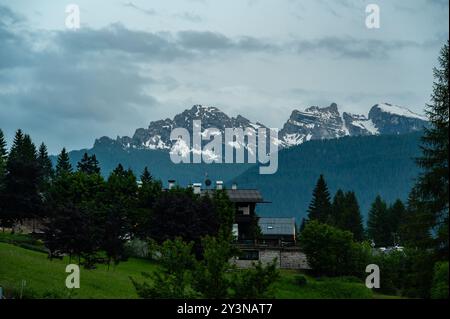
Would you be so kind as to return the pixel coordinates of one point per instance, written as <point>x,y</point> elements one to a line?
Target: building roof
<point>277,226</point>
<point>242,195</point>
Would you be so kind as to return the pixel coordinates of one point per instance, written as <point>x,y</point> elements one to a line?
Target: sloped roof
<point>245,195</point>
<point>277,226</point>
<point>242,195</point>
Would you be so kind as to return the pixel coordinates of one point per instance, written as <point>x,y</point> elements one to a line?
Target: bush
<point>332,252</point>
<point>256,282</point>
<point>408,273</point>
<point>182,276</point>
<point>439,290</point>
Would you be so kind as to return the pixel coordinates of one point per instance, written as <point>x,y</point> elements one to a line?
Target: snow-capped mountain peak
<point>311,124</point>
<point>398,110</point>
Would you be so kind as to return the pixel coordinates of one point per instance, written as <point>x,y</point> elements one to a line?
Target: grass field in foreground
<point>46,279</point>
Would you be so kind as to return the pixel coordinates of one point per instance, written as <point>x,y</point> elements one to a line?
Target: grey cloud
<point>349,47</point>
<point>189,16</point>
<point>14,51</point>
<point>149,12</point>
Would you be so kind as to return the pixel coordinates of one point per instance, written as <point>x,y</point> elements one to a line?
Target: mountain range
<point>314,123</point>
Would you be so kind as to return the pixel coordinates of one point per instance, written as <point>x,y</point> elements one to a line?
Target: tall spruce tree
<point>22,197</point>
<point>352,219</point>
<point>347,215</point>
<point>45,165</point>
<point>338,209</point>
<point>63,165</point>
<point>432,186</point>
<point>396,213</point>
<point>320,207</point>
<point>378,227</point>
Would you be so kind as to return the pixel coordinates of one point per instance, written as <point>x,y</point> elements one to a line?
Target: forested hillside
<point>370,166</point>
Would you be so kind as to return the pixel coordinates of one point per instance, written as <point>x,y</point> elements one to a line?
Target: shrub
<point>332,252</point>
<point>256,282</point>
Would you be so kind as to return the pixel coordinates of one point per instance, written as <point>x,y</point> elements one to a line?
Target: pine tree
<point>396,215</point>
<point>88,164</point>
<point>352,219</point>
<point>433,186</point>
<point>378,227</point>
<point>320,207</point>
<point>146,177</point>
<point>63,165</point>
<point>121,204</point>
<point>416,224</point>
<point>338,209</point>
<point>22,197</point>
<point>45,165</point>
<point>347,215</point>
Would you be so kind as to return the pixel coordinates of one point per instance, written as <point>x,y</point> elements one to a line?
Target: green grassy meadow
<point>46,279</point>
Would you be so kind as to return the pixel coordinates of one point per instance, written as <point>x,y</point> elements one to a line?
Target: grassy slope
<point>45,278</point>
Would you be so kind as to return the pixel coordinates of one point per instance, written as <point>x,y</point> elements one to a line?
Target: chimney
<point>219,185</point>
<point>197,188</point>
<point>234,186</point>
<point>171,184</point>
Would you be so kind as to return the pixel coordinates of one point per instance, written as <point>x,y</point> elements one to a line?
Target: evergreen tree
<point>21,191</point>
<point>433,186</point>
<point>396,215</point>
<point>148,192</point>
<point>347,215</point>
<point>339,207</point>
<point>146,177</point>
<point>378,227</point>
<point>352,219</point>
<point>120,205</point>
<point>181,213</point>
<point>89,164</point>
<point>320,207</point>
<point>416,224</point>
<point>76,223</point>
<point>45,165</point>
<point>63,165</point>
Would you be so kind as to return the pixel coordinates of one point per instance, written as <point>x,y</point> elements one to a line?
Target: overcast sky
<point>132,62</point>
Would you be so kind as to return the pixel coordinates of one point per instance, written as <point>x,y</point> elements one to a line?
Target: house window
<point>249,255</point>
<point>244,210</point>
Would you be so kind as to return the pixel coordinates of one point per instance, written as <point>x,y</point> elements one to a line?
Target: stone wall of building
<point>291,258</point>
